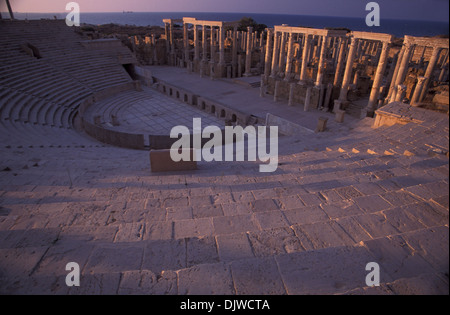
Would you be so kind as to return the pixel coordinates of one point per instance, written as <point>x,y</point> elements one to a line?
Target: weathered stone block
<point>161,161</point>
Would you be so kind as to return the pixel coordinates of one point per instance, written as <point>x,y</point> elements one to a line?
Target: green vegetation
<point>249,22</point>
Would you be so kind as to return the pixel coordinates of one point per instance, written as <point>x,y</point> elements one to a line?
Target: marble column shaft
<point>340,63</point>
<point>305,54</point>
<point>267,65</point>
<point>403,69</point>
<point>248,56</point>
<point>276,47</point>
<point>348,70</point>
<point>429,72</point>
<point>381,68</point>
<point>186,41</point>
<point>418,90</point>
<point>222,46</point>
<point>196,44</point>
<point>290,55</point>
<point>320,70</point>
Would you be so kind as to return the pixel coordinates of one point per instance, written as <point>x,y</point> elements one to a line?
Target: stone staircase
<point>309,228</point>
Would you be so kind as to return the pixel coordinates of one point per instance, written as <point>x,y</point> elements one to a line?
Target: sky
<point>430,10</point>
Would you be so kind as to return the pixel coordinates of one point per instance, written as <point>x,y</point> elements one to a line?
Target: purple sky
<point>433,10</point>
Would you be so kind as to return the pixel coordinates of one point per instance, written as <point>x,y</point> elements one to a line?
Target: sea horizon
<point>397,27</point>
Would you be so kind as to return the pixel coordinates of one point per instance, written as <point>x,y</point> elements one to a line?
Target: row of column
<point>201,44</point>
<point>278,60</point>
<point>401,70</point>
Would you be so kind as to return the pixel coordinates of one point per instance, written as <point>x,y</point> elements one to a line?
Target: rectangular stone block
<point>161,161</point>
<point>322,124</point>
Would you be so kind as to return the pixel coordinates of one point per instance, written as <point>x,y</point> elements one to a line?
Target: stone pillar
<point>172,42</point>
<point>305,58</point>
<point>392,86</point>
<point>404,63</point>
<point>442,75</point>
<point>262,89</point>
<point>326,103</point>
<point>291,93</point>
<point>276,48</point>
<point>340,114</point>
<point>418,90</point>
<point>186,41</point>
<point>429,72</point>
<point>212,46</point>
<point>276,91</point>
<point>222,46</point>
<point>373,99</point>
<point>307,98</point>
<point>401,92</point>
<point>392,68</point>
<point>248,56</point>
<point>348,71</point>
<point>282,58</point>
<point>340,63</point>
<point>239,68</point>
<point>167,33</point>
<point>267,65</point>
<point>205,52</point>
<point>290,55</point>
<point>319,78</point>
<point>234,52</point>
<point>196,45</point>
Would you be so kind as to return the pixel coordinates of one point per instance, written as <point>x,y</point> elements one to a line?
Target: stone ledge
<point>401,113</point>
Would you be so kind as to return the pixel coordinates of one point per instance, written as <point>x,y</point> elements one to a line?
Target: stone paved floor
<point>150,112</point>
<point>337,202</point>
<point>246,99</point>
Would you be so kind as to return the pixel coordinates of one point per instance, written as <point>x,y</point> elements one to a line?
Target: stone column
<point>267,65</point>
<point>196,44</point>
<point>290,55</point>
<point>319,78</point>
<point>304,58</point>
<point>291,93</point>
<point>205,51</point>
<point>204,44</point>
<point>212,46</point>
<point>167,33</point>
<point>172,42</point>
<point>276,48</point>
<point>186,41</point>
<point>429,72</point>
<point>401,92</point>
<point>282,58</point>
<point>307,98</point>
<point>404,63</point>
<point>222,46</point>
<point>276,91</point>
<point>418,90</point>
<point>348,70</point>
<point>392,86</point>
<point>262,89</point>
<point>234,52</point>
<point>373,99</point>
<point>327,100</point>
<point>340,63</point>
<point>248,56</point>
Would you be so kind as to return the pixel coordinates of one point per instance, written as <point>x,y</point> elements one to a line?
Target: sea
<point>397,28</point>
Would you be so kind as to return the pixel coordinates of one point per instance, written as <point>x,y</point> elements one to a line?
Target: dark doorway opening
<point>129,68</point>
